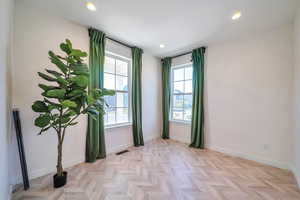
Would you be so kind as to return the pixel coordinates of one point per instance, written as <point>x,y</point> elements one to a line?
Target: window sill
<point>180,122</point>
<point>118,125</point>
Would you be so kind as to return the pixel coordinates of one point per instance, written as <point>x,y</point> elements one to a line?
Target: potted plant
<point>67,98</point>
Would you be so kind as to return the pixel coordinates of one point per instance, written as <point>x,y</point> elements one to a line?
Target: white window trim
<point>180,121</point>
<point>129,61</point>
<point>119,125</point>
<point>172,94</point>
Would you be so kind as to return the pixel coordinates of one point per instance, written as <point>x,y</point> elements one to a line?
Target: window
<point>181,93</point>
<point>116,77</point>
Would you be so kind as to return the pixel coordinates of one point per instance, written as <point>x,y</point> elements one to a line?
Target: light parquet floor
<point>168,170</point>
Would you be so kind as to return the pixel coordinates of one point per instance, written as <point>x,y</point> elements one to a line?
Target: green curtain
<point>95,141</point>
<point>197,128</point>
<point>137,130</point>
<point>166,95</point>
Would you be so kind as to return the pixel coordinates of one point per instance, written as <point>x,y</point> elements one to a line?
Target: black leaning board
<point>18,128</point>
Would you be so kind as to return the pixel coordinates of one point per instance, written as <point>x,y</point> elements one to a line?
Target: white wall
<point>296,163</point>
<point>248,97</point>
<point>36,32</point>
<point>6,14</point>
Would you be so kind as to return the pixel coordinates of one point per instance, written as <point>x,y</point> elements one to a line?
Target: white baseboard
<point>41,172</point>
<point>296,174</point>
<point>255,158</point>
<point>247,156</point>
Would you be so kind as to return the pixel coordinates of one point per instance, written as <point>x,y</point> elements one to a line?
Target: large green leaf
<point>97,93</point>
<point>68,104</point>
<point>79,67</point>
<point>46,77</point>
<point>55,60</point>
<point>65,47</point>
<point>106,92</point>
<point>76,92</point>
<point>65,119</point>
<point>39,106</point>
<point>52,107</point>
<point>56,93</point>
<point>47,87</point>
<point>78,53</point>
<point>81,81</point>
<point>90,99</point>
<point>62,82</point>
<point>81,71</point>
<point>71,113</point>
<point>68,42</point>
<point>42,121</point>
<point>55,73</point>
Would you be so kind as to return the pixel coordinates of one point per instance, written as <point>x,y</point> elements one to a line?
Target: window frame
<point>129,62</point>
<point>181,66</point>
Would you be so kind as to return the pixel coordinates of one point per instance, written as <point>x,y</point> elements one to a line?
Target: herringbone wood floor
<point>163,170</point>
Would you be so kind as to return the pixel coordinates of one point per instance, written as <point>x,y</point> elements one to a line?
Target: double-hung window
<point>181,93</point>
<point>117,78</point>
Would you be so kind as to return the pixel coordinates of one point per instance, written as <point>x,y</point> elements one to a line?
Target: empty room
<point>150,100</point>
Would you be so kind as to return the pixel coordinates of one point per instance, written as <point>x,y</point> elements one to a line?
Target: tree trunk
<point>59,159</point>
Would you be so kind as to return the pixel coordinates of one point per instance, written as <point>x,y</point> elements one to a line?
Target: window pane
<point>111,101</point>
<point>105,118</point>
<point>188,101</point>
<point>109,81</point>
<point>109,65</point>
<point>111,119</point>
<point>178,74</point>
<point>188,114</point>
<point>188,87</point>
<point>122,115</point>
<point>178,87</point>
<point>177,114</point>
<point>121,67</point>
<point>188,73</point>
<point>122,99</point>
<point>178,101</point>
<point>122,83</point>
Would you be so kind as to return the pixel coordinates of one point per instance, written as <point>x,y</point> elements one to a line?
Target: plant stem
<point>59,148</point>
<point>59,160</point>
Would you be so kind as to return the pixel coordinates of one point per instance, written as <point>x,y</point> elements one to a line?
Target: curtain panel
<point>137,129</point>
<point>166,95</point>
<point>95,140</point>
<point>197,127</point>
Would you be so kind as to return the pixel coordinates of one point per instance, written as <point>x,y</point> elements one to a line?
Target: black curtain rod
<point>183,54</point>
<point>117,41</point>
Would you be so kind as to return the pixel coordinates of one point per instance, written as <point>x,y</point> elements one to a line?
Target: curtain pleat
<point>137,130</point>
<point>197,128</point>
<point>95,141</point>
<point>166,95</point>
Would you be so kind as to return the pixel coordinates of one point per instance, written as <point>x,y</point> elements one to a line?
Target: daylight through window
<point>182,97</point>
<point>116,77</point>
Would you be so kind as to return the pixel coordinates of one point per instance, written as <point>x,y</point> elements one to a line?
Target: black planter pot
<point>59,181</point>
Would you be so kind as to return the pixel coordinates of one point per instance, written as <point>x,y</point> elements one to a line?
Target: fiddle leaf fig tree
<point>65,96</point>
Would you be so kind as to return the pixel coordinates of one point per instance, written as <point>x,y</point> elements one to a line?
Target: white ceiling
<point>179,24</point>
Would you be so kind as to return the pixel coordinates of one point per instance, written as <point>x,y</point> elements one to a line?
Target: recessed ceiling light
<point>162,46</point>
<point>236,15</point>
<point>91,6</point>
